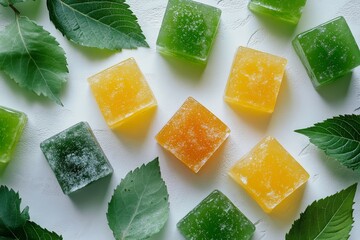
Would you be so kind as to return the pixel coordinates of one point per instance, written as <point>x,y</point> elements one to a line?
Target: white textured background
<point>82,215</point>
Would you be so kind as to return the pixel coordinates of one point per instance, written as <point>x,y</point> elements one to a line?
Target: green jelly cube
<point>12,124</point>
<point>76,157</point>
<point>285,10</point>
<point>215,218</point>
<point>328,51</point>
<point>188,30</point>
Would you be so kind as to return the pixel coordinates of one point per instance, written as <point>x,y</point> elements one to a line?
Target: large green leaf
<point>33,58</point>
<point>108,24</point>
<point>328,218</point>
<point>139,207</point>
<point>339,137</point>
<point>7,3</point>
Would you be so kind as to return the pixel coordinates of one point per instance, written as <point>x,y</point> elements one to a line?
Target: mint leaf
<point>33,58</point>
<point>339,137</point>
<point>104,24</point>
<point>7,3</point>
<point>139,207</point>
<point>328,218</point>
<point>32,231</point>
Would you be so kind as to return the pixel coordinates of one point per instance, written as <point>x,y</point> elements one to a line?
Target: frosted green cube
<point>215,218</point>
<point>328,51</point>
<point>188,30</point>
<point>12,124</point>
<point>285,10</point>
<point>76,157</point>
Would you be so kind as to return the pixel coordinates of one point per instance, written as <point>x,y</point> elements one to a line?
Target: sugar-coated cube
<point>121,92</point>
<point>285,10</point>
<point>216,217</point>
<point>255,79</point>
<point>12,124</point>
<point>193,134</point>
<point>76,157</point>
<point>328,51</point>
<point>269,173</point>
<point>188,30</point>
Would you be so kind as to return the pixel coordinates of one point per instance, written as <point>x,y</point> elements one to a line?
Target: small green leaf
<point>33,58</point>
<point>104,24</point>
<point>328,218</point>
<point>139,207</point>
<point>7,3</point>
<point>32,231</point>
<point>339,137</point>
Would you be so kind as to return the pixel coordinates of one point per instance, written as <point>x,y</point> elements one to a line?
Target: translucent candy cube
<point>328,51</point>
<point>121,92</point>
<point>215,218</point>
<point>285,10</point>
<point>255,79</point>
<point>188,30</point>
<point>12,124</point>
<point>76,157</point>
<point>269,173</point>
<point>193,134</point>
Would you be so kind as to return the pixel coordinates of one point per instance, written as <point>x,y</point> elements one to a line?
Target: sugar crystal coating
<point>12,124</point>
<point>269,173</point>
<point>193,134</point>
<point>188,30</point>
<point>216,217</point>
<point>121,92</point>
<point>328,51</point>
<point>76,157</point>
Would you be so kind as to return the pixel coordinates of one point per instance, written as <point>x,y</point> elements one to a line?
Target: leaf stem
<point>14,9</point>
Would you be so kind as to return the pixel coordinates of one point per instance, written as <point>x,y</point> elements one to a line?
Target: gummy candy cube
<point>121,92</point>
<point>255,80</point>
<point>12,124</point>
<point>285,10</point>
<point>269,173</point>
<point>76,157</point>
<point>188,30</point>
<point>328,51</point>
<point>216,217</point>
<point>193,134</point>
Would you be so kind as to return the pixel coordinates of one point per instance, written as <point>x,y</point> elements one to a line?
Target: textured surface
<point>214,218</point>
<point>269,173</point>
<point>193,134</point>
<point>188,30</point>
<point>76,157</point>
<point>255,79</point>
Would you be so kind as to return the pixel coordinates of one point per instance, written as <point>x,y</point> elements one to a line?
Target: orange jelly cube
<point>193,134</point>
<point>121,92</point>
<point>255,80</point>
<point>269,173</point>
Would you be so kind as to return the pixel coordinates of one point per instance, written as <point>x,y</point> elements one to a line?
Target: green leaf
<point>328,218</point>
<point>7,3</point>
<point>32,231</point>
<point>104,24</point>
<point>339,137</point>
<point>139,207</point>
<point>33,58</point>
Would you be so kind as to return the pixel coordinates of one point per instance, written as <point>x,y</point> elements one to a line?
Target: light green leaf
<point>339,137</point>
<point>328,218</point>
<point>7,3</point>
<point>139,207</point>
<point>104,24</point>
<point>33,58</point>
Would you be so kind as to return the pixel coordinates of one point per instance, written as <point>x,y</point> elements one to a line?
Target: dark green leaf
<point>339,137</point>
<point>104,24</point>
<point>328,218</point>
<point>139,207</point>
<point>33,58</point>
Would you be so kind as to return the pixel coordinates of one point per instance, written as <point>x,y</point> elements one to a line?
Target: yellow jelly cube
<point>255,80</point>
<point>193,134</point>
<point>269,173</point>
<point>121,92</point>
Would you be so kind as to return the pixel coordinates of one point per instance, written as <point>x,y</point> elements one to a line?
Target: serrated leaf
<point>328,218</point>
<point>139,207</point>
<point>7,3</point>
<point>33,58</point>
<point>339,138</point>
<point>104,24</point>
